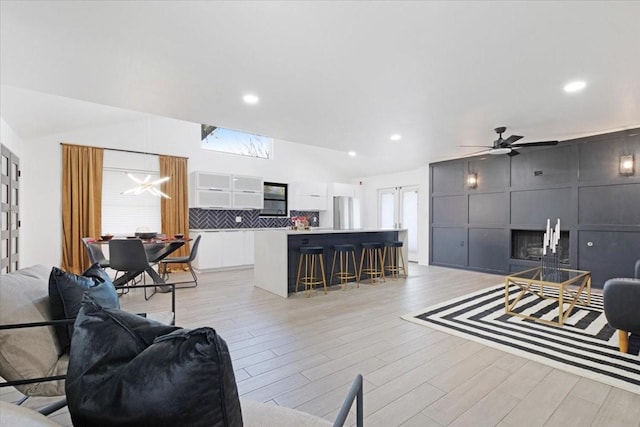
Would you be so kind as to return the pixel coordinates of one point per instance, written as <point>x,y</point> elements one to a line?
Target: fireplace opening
<point>527,245</point>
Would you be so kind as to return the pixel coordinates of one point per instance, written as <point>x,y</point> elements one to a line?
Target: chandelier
<point>147,185</point>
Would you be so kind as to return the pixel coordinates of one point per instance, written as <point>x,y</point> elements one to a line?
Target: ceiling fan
<point>507,146</point>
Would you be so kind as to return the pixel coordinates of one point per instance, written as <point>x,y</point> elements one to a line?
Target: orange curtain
<point>175,211</point>
<point>81,202</point>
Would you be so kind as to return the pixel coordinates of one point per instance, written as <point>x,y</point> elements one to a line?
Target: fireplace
<point>527,245</point>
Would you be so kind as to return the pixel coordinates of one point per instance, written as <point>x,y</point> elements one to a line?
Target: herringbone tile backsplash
<point>211,218</point>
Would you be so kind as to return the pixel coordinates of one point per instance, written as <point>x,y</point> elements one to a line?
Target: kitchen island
<point>276,252</point>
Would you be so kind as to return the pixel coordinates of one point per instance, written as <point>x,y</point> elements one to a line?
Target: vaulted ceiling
<point>344,75</point>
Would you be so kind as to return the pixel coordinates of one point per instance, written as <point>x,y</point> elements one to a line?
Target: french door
<point>398,208</point>
<point>9,209</point>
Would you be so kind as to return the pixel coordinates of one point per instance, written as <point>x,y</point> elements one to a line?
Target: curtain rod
<point>124,151</point>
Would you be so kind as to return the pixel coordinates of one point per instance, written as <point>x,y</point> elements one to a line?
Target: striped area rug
<point>585,345</point>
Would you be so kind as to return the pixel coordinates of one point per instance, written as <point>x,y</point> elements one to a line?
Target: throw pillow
<point>131,371</point>
<point>65,296</point>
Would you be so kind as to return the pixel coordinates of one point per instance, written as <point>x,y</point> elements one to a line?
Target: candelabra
<point>550,254</point>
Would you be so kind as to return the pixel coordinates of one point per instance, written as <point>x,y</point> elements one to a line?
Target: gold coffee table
<point>572,287</point>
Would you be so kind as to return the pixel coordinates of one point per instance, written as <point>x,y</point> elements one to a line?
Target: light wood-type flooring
<point>303,353</point>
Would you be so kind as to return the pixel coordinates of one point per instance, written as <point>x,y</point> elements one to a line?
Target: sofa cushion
<point>258,414</point>
<point>29,352</point>
<point>65,296</point>
<point>14,415</point>
<point>129,370</point>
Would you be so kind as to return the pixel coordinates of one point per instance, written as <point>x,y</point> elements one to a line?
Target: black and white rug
<point>585,345</point>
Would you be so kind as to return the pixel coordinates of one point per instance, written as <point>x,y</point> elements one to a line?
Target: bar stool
<point>393,250</point>
<point>372,259</point>
<point>311,256</point>
<point>344,274</point>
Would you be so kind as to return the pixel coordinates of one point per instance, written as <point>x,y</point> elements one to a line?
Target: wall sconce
<point>626,165</point>
<point>472,180</point>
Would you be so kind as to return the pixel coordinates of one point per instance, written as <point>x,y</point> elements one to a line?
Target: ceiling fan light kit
<point>497,151</point>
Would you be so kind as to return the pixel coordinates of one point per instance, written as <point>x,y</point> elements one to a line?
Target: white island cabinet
<point>224,249</point>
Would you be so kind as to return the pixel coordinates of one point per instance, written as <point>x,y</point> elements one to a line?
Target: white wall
<point>9,138</point>
<point>417,177</point>
<point>41,164</point>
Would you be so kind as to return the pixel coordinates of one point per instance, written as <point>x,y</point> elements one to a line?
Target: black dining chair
<point>130,257</point>
<point>183,260</point>
<point>95,254</point>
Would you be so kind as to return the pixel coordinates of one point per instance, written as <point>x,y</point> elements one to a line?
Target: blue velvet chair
<point>622,306</point>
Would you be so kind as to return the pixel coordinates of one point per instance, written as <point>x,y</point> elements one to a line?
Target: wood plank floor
<point>304,352</point>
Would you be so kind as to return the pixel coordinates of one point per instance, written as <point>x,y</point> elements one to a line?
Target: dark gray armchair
<point>622,306</point>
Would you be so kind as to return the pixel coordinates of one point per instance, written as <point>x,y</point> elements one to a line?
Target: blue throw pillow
<point>65,296</point>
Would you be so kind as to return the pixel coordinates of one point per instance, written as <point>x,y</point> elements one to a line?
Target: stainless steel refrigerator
<point>343,213</point>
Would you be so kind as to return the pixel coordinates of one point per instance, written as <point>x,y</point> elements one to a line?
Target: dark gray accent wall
<point>531,208</point>
<point>577,181</point>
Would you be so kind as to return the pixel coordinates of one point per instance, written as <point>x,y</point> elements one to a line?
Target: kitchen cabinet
<point>247,247</point>
<point>225,249</point>
<point>338,189</point>
<point>308,196</point>
<point>247,200</point>
<point>251,184</point>
<point>210,181</point>
<point>224,191</point>
<point>211,199</point>
<point>247,192</point>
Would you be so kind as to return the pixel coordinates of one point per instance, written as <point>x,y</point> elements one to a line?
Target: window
<point>122,214</point>
<point>235,142</point>
<point>275,199</point>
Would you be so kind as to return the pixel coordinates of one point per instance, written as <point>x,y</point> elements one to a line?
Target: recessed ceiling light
<point>352,153</point>
<point>575,86</point>
<point>250,99</point>
<point>396,137</point>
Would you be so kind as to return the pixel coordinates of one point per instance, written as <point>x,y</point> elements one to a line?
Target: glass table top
<point>557,276</point>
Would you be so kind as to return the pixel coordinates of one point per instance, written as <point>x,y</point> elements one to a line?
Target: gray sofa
<point>622,307</point>
<point>33,352</point>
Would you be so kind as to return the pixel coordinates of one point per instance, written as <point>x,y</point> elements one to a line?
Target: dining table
<point>156,249</point>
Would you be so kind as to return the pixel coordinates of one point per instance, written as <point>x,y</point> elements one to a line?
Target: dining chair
<point>130,257</point>
<point>95,254</point>
<point>183,260</point>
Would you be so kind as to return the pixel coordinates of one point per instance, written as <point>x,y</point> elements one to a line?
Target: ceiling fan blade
<point>511,140</point>
<point>473,154</point>
<point>535,144</point>
<point>512,153</point>
<point>473,146</point>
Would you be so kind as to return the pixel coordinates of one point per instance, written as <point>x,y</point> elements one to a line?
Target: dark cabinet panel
<point>492,172</point>
<point>600,161</point>
<point>487,209</point>
<point>448,177</point>
<point>450,210</point>
<point>609,204</point>
<point>608,254</point>
<point>450,246</point>
<point>546,166</point>
<point>535,206</point>
<point>488,249</point>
